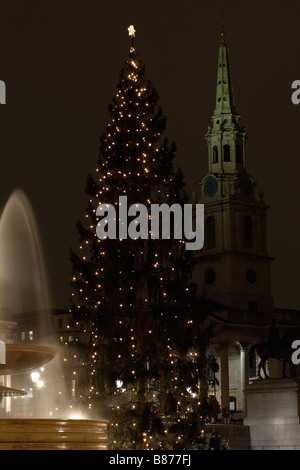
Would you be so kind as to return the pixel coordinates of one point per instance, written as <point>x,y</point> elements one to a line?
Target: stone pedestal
<point>52,434</point>
<point>273,409</point>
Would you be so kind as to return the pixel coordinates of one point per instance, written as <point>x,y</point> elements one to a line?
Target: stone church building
<point>233,271</point>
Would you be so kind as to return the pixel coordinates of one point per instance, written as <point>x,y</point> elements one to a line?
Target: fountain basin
<point>22,358</point>
<point>52,434</point>
<point>10,392</point>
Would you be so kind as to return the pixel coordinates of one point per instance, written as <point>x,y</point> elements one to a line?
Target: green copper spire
<point>225,138</point>
<point>224,96</point>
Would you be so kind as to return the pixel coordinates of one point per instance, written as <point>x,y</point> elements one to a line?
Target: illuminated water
<point>23,279</point>
<point>24,288</point>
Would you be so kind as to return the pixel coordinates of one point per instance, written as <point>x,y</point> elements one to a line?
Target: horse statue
<point>276,348</point>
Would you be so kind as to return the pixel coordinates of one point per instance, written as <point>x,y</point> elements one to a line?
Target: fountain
<point>43,433</point>
<point>24,287</point>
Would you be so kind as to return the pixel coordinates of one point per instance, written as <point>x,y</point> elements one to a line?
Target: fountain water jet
<point>23,279</point>
<point>24,287</point>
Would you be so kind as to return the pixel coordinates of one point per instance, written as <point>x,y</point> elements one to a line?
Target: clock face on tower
<point>210,186</point>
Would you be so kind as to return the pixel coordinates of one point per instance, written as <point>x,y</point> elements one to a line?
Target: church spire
<point>225,105</point>
<point>234,266</point>
<point>224,94</point>
<point>226,139</point>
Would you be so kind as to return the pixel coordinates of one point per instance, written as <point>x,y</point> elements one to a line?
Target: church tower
<point>233,268</point>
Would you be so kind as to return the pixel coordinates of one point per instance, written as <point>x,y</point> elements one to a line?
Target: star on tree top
<point>131,31</point>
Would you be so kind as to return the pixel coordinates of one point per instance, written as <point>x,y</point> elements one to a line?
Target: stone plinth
<point>237,436</point>
<point>52,434</point>
<point>273,407</point>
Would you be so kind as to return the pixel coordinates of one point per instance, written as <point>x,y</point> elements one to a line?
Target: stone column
<point>244,364</point>
<point>224,376</point>
<point>7,383</point>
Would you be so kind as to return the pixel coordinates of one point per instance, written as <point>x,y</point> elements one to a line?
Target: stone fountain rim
<point>22,358</point>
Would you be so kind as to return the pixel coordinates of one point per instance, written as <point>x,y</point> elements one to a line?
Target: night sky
<point>61,60</point>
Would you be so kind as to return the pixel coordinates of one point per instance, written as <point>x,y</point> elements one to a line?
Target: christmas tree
<point>143,363</point>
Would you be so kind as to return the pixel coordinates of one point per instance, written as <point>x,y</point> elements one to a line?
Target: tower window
<point>238,154</point>
<point>251,276</point>
<point>210,277</point>
<point>248,239</point>
<point>215,154</point>
<point>210,241</point>
<point>226,153</point>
